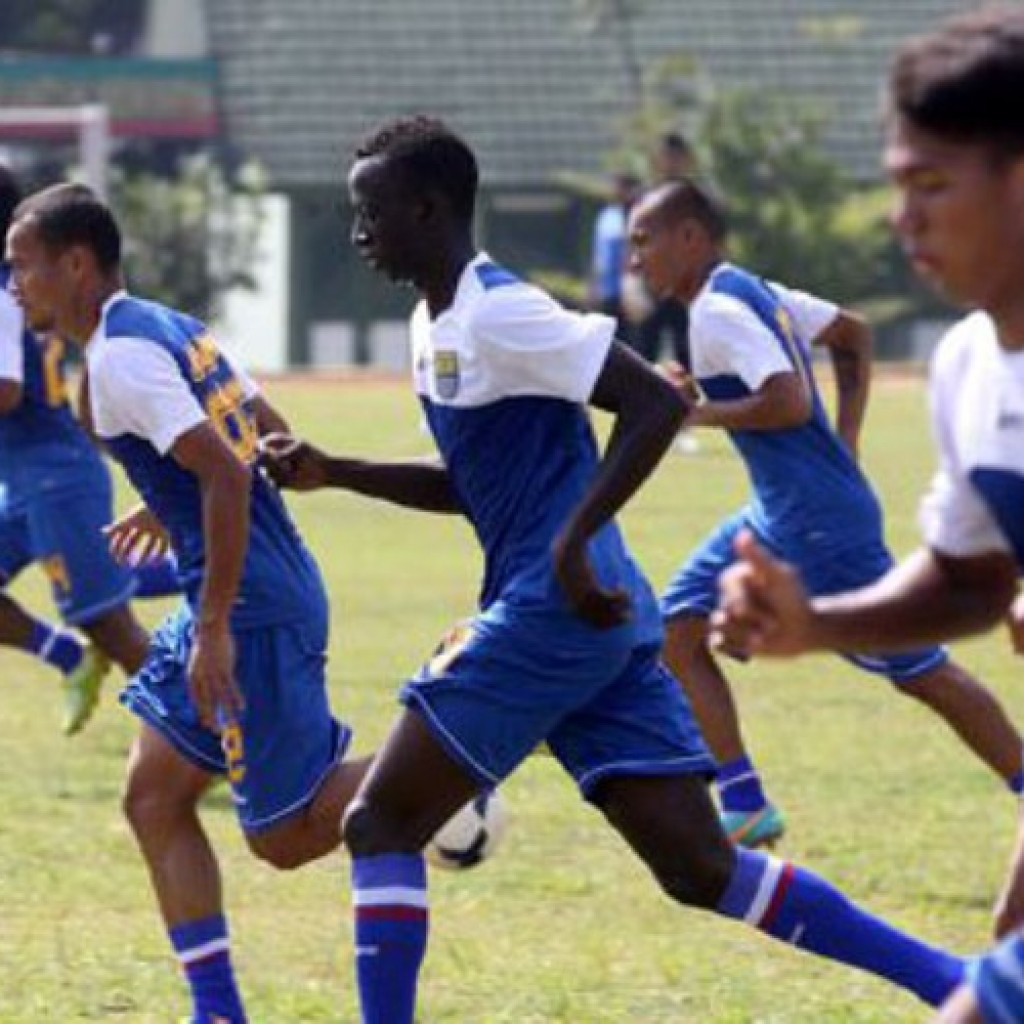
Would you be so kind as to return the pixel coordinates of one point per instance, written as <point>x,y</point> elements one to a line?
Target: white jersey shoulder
<point>977,406</point>
<point>135,387</point>
<point>810,314</point>
<point>12,327</point>
<point>505,338</point>
<point>728,339</point>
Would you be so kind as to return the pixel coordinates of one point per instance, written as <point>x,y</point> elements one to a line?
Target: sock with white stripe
<point>804,910</point>
<point>739,787</point>
<point>62,650</point>
<point>389,896</point>
<point>204,952</point>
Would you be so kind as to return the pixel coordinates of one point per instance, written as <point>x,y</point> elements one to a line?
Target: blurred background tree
<point>192,237</point>
<point>71,26</point>
<point>795,215</point>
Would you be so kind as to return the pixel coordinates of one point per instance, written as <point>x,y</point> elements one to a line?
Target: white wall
<point>175,28</point>
<point>254,325</point>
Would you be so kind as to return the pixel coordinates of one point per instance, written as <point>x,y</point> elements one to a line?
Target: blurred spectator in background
<point>608,253</point>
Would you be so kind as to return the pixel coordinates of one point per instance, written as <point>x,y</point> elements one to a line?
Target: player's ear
<point>76,259</point>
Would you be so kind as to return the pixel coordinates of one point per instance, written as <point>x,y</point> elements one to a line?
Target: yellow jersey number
<point>224,403</point>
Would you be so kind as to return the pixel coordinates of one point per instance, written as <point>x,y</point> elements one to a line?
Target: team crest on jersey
<point>446,373</point>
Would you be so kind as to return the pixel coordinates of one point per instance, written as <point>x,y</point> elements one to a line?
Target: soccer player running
<point>234,683</point>
<point>55,500</point>
<point>565,647</point>
<point>749,347</point>
<point>955,151</point>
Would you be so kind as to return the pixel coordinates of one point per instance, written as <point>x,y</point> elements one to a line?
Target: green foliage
<point>795,215</point>
<point>70,26</point>
<point>192,237</point>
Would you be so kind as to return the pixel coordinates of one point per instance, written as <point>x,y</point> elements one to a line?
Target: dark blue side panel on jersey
<point>1003,492</point>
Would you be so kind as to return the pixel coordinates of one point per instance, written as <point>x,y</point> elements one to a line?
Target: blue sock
<point>739,787</point>
<point>389,896</point>
<point>157,578</point>
<point>204,953</point>
<point>804,910</point>
<point>62,650</point>
<point>1016,783</point>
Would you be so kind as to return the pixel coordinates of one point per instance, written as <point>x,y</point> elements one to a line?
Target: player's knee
<point>280,852</point>
<point>698,879</point>
<point>147,808</point>
<point>367,831</point>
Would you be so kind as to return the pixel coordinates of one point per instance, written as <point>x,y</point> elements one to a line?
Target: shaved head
<point>681,200</point>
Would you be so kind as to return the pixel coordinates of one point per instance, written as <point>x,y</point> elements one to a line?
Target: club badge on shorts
<point>446,373</point>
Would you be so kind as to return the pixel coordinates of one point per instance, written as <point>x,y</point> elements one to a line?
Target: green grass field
<point>563,925</point>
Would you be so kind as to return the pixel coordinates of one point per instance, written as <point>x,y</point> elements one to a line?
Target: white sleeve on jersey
<point>536,347</point>
<point>727,339</point>
<point>12,326</point>
<point>954,519</point>
<point>810,314</point>
<point>135,387</point>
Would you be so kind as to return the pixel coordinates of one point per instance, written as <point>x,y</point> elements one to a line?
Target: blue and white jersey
<point>808,488</point>
<point>42,446</point>
<point>976,501</point>
<point>155,374</point>
<point>503,375</point>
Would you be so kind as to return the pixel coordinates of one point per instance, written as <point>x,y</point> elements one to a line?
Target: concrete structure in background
<point>295,84</point>
<point>254,323</point>
<point>536,92</point>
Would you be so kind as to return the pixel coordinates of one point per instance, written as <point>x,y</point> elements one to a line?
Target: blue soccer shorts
<point>62,531</point>
<point>997,980</point>
<point>503,684</point>
<point>694,589</point>
<point>285,742</point>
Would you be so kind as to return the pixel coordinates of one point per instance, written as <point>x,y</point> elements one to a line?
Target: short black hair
<point>685,199</point>
<point>965,80</point>
<point>435,158</point>
<point>675,142</point>
<point>67,215</point>
<point>10,196</point>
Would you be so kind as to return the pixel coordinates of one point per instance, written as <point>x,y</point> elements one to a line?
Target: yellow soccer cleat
<point>82,689</point>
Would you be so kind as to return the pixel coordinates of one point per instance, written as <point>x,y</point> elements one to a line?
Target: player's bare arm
<point>928,598</point>
<point>781,402</point>
<point>422,484</point>
<point>648,412</point>
<point>225,483</point>
<point>10,396</point>
<point>849,342</point>
<point>268,419</point>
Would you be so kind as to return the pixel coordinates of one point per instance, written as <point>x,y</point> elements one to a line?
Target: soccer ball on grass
<point>471,835</point>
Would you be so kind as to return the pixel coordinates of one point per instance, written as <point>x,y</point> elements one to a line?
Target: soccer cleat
<point>82,689</point>
<point>754,828</point>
